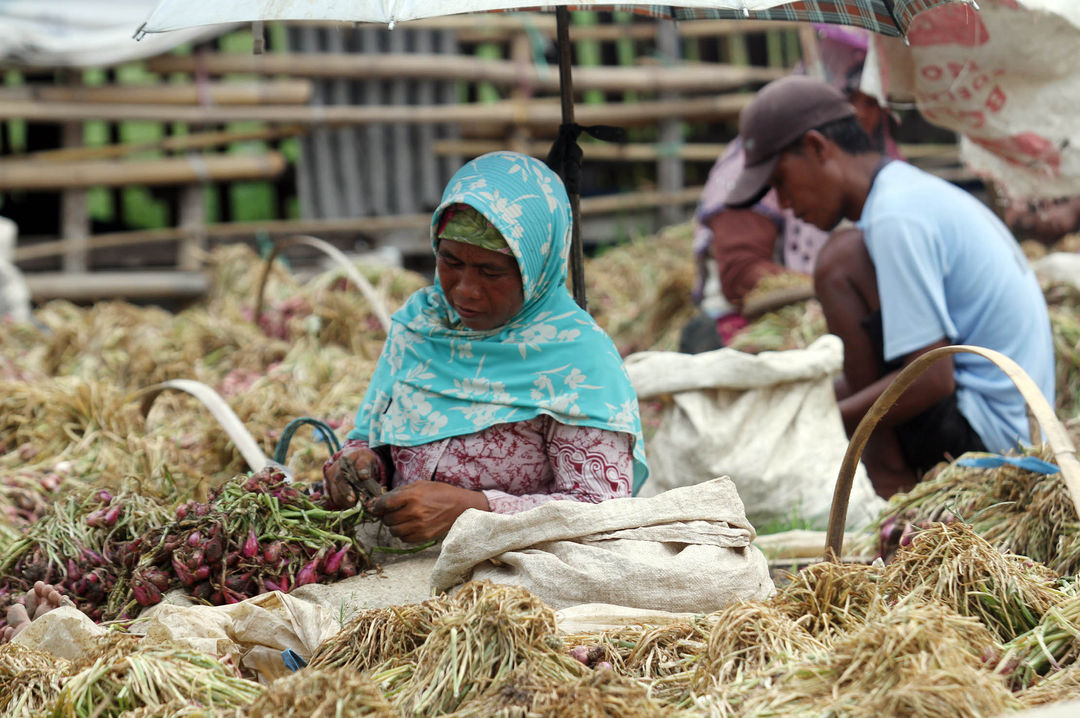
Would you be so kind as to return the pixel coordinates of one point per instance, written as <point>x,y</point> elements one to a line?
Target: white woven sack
<point>769,421</point>
<point>14,294</point>
<point>685,550</point>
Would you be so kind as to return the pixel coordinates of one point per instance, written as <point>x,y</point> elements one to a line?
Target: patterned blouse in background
<point>519,465</point>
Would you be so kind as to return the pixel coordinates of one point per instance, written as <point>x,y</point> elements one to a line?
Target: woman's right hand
<point>345,472</point>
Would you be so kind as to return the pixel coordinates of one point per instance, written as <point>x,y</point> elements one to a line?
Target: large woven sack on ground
<point>685,550</point>
<point>251,633</point>
<point>1058,267</point>
<point>769,421</point>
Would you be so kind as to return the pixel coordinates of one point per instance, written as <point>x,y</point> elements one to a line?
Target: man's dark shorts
<point>938,433</point>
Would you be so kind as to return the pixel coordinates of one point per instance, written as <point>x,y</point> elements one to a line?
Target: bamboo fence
<point>360,128</point>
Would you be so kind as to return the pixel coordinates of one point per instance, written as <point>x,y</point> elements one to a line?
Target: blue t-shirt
<point>948,268</point>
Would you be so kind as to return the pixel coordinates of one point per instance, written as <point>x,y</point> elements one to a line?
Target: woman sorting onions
<point>494,390</point>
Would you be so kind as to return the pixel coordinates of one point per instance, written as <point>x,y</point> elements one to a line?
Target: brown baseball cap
<point>780,113</point>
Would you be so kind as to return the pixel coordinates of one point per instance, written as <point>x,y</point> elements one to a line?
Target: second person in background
<point>927,266</point>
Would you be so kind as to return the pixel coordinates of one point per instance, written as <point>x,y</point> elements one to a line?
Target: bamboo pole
<point>350,186</point>
<point>226,231</point>
<point>272,92</point>
<point>925,155</point>
<point>74,210</point>
<point>90,286</point>
<point>697,28</point>
<point>173,143</point>
<point>669,166</point>
<point>21,175</point>
<point>629,152</point>
<point>542,112</point>
<point>811,51</point>
<point>646,199</point>
<point>521,53</point>
<point>192,216</point>
<point>686,77</point>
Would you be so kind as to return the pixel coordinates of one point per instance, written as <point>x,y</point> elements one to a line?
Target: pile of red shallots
<point>113,555</point>
<point>255,534</point>
<point>85,546</point>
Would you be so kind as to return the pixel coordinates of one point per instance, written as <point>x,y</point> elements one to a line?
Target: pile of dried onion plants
<point>470,651</point>
<point>952,565</point>
<point>949,627</point>
<point>639,292</point>
<point>600,694</point>
<point>1016,510</point>
<point>377,635</point>
<point>68,385</point>
<point>463,652</point>
<point>321,693</point>
<point>185,709</point>
<point>126,680</point>
<point>794,326</point>
<point>853,640</point>
<point>841,640</point>
<point>745,639</point>
<point>662,657</point>
<point>1063,303</point>
<point>916,659</point>
<point>829,599</point>
<point>120,676</point>
<point>30,680</point>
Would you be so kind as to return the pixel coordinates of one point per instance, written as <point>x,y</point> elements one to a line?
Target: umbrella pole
<point>566,93</point>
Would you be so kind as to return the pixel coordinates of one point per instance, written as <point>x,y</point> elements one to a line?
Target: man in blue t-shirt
<point>927,266</point>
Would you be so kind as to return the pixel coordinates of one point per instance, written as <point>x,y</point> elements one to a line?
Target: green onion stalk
<point>1050,646</point>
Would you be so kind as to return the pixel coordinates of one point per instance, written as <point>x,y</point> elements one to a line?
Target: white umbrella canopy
<point>81,33</point>
<point>885,17</point>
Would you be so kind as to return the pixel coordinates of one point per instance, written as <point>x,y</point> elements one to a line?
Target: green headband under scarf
<point>462,223</point>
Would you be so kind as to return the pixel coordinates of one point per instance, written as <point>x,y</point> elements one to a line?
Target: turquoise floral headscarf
<point>437,378</point>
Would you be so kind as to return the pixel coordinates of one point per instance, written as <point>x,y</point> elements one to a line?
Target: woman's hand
<point>425,510</point>
<point>353,464</point>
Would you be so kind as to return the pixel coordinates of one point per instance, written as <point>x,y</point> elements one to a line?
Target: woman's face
<point>482,286</point>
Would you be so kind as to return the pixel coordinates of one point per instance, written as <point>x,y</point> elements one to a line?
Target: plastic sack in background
<point>1004,77</point>
<point>769,421</point>
<point>14,294</point>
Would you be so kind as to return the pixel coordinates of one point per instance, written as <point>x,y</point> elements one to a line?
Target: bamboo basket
<point>366,289</point>
<point>1040,416</point>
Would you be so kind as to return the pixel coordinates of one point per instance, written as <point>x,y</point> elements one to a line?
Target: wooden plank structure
<point>353,130</point>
